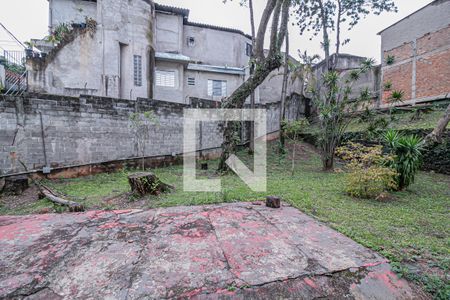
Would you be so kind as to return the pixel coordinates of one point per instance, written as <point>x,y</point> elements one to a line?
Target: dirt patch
<point>124,201</point>
<point>303,151</point>
<point>29,196</point>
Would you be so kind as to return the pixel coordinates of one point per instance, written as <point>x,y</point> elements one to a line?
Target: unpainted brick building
<point>416,55</point>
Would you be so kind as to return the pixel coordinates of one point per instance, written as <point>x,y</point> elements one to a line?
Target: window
<point>191,81</point>
<point>217,88</point>
<point>191,41</point>
<point>248,49</point>
<point>165,78</point>
<point>137,62</point>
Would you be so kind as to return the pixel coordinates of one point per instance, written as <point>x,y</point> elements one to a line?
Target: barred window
<point>217,88</point>
<point>191,81</point>
<point>248,49</point>
<point>165,78</point>
<point>137,62</point>
<point>190,41</point>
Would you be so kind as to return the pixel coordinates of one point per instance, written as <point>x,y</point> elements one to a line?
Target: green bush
<point>368,176</point>
<point>408,156</point>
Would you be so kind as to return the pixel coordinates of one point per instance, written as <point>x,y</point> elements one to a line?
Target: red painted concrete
<point>230,251</point>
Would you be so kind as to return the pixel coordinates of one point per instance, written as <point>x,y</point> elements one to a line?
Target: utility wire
<point>12,35</point>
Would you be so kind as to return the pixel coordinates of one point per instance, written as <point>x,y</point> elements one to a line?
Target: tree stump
<point>273,202</point>
<point>145,183</point>
<point>15,185</point>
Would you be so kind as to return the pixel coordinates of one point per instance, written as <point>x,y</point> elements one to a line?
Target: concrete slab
<point>229,251</point>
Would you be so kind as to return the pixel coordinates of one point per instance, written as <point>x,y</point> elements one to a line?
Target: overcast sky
<point>29,19</point>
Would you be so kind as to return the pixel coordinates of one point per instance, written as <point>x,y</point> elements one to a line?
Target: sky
<point>29,19</point>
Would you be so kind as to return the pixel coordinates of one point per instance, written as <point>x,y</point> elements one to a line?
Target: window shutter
<point>224,88</point>
<point>210,87</point>
<point>217,88</point>
<point>165,78</point>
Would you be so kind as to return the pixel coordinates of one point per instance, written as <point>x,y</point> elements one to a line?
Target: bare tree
<point>278,10</point>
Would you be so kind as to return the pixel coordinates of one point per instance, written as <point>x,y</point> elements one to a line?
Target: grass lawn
<point>399,120</point>
<point>412,230</point>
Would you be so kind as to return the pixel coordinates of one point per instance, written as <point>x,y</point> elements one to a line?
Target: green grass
<point>400,120</point>
<point>414,227</point>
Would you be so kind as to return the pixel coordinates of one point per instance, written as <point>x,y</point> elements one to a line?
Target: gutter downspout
<point>46,169</point>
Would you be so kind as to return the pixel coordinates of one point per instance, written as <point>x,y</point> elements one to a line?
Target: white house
<point>136,48</point>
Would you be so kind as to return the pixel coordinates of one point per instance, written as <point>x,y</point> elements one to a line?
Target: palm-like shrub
<point>408,156</point>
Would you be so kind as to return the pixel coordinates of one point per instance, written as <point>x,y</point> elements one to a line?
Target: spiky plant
<point>390,59</point>
<point>388,85</point>
<point>408,156</point>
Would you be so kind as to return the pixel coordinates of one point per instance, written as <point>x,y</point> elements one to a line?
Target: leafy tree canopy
<point>310,17</point>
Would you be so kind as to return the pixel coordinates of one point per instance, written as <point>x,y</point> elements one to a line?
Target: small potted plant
<point>29,49</point>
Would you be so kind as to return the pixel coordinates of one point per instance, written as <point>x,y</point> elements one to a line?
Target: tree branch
<point>259,48</point>
<point>435,136</point>
<point>252,23</point>
<point>284,23</point>
<point>274,28</point>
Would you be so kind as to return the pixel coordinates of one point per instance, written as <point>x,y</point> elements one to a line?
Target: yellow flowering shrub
<point>368,174</point>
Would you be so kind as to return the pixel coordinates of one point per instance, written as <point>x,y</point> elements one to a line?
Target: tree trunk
<point>264,66</point>
<point>326,39</point>
<point>293,158</point>
<point>436,135</point>
<point>145,183</point>
<point>252,69</point>
<point>328,163</point>
<point>50,195</point>
<point>15,185</point>
<point>237,100</point>
<point>283,96</point>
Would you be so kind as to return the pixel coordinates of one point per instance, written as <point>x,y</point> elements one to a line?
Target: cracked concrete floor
<point>229,251</point>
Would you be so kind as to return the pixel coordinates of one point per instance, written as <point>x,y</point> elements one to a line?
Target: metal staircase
<point>15,84</point>
<point>13,61</point>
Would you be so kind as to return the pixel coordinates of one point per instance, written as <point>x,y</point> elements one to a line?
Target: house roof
<point>214,27</point>
<point>172,9</point>
<point>431,3</point>
<point>172,57</point>
<point>216,69</point>
<point>185,13</point>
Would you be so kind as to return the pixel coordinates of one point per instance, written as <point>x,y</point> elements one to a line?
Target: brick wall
<point>433,75</point>
<point>421,68</point>
<point>92,130</point>
<point>400,53</point>
<point>433,41</point>
<point>400,76</point>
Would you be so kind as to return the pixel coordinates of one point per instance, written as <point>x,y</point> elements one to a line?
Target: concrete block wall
<point>347,63</point>
<point>91,130</point>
